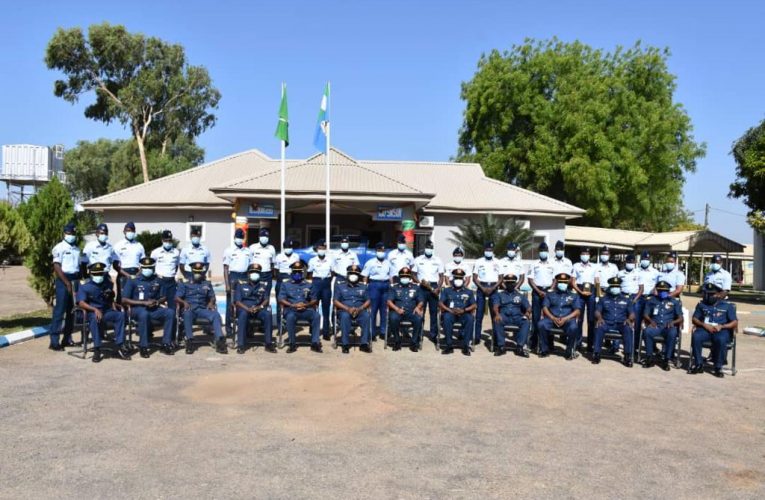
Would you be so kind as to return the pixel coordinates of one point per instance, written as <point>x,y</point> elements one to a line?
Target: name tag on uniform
<point>140,295</point>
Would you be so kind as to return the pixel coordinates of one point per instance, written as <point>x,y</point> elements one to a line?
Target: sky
<point>395,68</point>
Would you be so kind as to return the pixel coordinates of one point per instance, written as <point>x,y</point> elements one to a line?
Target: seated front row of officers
<point>714,318</point>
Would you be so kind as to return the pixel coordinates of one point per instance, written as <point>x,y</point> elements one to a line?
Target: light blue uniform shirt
<point>648,279</point>
<point>166,261</point>
<point>341,260</point>
<point>563,265</point>
<point>487,270</point>
<point>191,254</point>
<point>674,277</point>
<point>451,266</point>
<point>630,281</point>
<point>68,256</point>
<point>399,259</point>
<point>512,266</point>
<point>376,269</point>
<point>263,255</point>
<point>584,273</point>
<point>721,278</point>
<point>129,253</point>
<point>238,259</point>
<point>429,268</point>
<point>282,262</point>
<point>320,268</point>
<point>97,252</point>
<point>604,272</point>
<point>542,272</point>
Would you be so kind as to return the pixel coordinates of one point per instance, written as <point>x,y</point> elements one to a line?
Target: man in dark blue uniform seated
<point>715,320</point>
<point>614,311</point>
<point>457,303</point>
<point>144,296</point>
<point>96,297</point>
<point>663,315</point>
<point>252,300</point>
<point>352,302</point>
<point>511,308</point>
<point>560,308</point>
<point>197,300</point>
<point>406,302</point>
<point>299,300</point>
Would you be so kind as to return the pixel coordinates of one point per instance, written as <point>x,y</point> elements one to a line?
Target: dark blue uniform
<point>198,295</point>
<point>662,312</point>
<point>252,294</point>
<point>353,296</point>
<point>720,313</point>
<point>296,293</point>
<point>461,298</point>
<point>142,288</point>
<point>406,297</point>
<point>102,298</point>
<point>559,304</point>
<point>615,309</point>
<point>513,307</point>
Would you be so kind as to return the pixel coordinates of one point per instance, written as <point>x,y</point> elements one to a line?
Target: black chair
<point>354,339</point>
<point>405,332</point>
<point>203,323</point>
<point>510,331</point>
<point>661,339</point>
<point>132,324</point>
<point>458,324</point>
<point>613,335</point>
<point>731,348</point>
<point>253,325</point>
<point>300,324</point>
<point>108,326</point>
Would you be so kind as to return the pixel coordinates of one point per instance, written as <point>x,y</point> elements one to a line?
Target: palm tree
<point>472,234</point>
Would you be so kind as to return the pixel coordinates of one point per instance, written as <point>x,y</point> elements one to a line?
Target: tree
<point>14,236</point>
<point>151,240</point>
<point>596,129</point>
<point>142,82</point>
<point>749,153</point>
<point>472,234</point>
<point>104,166</point>
<point>45,215</point>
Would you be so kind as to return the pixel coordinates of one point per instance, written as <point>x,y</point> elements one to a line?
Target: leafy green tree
<point>45,215</point>
<point>472,234</point>
<point>596,129</point>
<point>142,82</point>
<point>749,153</point>
<point>14,236</point>
<point>151,240</point>
<point>89,167</point>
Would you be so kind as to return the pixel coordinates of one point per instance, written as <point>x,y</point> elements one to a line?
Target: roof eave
<point>99,207</point>
<point>501,211</point>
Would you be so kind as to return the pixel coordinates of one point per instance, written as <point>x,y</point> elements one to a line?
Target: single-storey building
<point>372,199</point>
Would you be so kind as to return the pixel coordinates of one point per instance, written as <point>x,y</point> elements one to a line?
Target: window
<point>190,226</point>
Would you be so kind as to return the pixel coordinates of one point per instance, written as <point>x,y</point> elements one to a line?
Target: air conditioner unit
<point>427,221</point>
<point>524,223</point>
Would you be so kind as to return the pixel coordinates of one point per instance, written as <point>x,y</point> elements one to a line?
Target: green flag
<point>283,128</point>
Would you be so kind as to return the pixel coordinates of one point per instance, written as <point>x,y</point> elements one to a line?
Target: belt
<point>130,270</point>
<point>322,278</point>
<point>487,283</point>
<point>72,276</point>
<point>167,278</point>
<point>378,281</point>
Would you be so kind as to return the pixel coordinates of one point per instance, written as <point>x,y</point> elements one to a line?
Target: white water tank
<point>27,162</point>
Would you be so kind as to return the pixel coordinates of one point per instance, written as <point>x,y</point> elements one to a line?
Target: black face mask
<point>510,286</point>
<point>710,299</point>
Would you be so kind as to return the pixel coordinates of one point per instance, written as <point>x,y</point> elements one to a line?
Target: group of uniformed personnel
<point>637,301</point>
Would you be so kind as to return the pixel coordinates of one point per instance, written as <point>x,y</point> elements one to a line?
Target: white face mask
<point>102,238</point>
<point>380,255</point>
<point>130,235</point>
<point>167,245</point>
<point>402,247</point>
<point>321,253</point>
<point>645,263</point>
<point>604,258</point>
<point>195,240</point>
<point>238,241</point>
<point>669,266</point>
<point>458,260</point>
<point>562,287</point>
<point>404,281</point>
<point>97,279</point>
<point>629,267</point>
<point>353,278</point>
<point>559,254</point>
<point>511,253</point>
<point>428,252</point>
<point>615,290</point>
<point>585,258</point>
<point>458,283</point>
<point>715,267</point>
<point>147,272</point>
<point>70,238</point>
<point>263,240</point>
<point>287,252</point>
<point>344,246</point>
<point>488,255</point>
<point>543,255</point>
<point>254,276</point>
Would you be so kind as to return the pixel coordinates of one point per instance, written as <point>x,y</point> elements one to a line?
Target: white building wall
<point>759,260</point>
<point>217,232</point>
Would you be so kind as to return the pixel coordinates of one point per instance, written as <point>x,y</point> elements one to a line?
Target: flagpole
<point>326,159</point>
<point>283,183</point>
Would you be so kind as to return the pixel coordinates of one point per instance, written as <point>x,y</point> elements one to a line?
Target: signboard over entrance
<point>388,213</point>
<point>261,210</point>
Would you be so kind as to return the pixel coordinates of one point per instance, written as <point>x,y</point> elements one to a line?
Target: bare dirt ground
<point>15,294</point>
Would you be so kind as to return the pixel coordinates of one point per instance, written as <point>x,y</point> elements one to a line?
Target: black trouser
<point>280,278</point>
<point>234,278</point>
<point>431,302</point>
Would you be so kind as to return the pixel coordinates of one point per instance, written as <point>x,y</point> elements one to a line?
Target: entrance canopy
<point>682,242</point>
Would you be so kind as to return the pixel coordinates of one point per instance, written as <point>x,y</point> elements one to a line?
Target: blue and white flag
<point>322,123</point>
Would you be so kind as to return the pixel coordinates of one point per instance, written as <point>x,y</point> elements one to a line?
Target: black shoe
<point>664,364</point>
<point>67,343</point>
<point>596,359</point>
<point>326,336</point>
<point>167,349</point>
<point>241,350</point>
<point>695,369</point>
<point>397,346</point>
<point>570,356</point>
<point>220,346</point>
<point>500,351</point>
<point>476,341</point>
<point>123,353</point>
<point>57,347</point>
<point>316,347</point>
<point>447,350</point>
<point>292,348</point>
<point>270,347</point>
<point>346,349</point>
<point>414,348</point>
<point>520,351</point>
<point>189,347</point>
<point>466,351</point>
<point>544,354</point>
<point>649,362</point>
<point>365,348</point>
<point>627,362</point>
<point>97,355</point>
<point>718,373</point>
<point>145,353</point>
